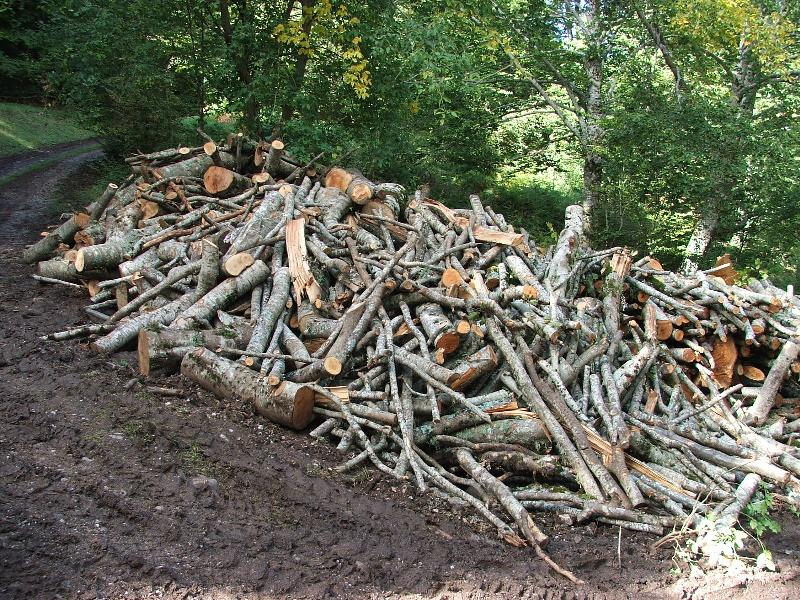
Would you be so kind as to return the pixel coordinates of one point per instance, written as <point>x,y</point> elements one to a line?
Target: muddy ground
<point>114,493</point>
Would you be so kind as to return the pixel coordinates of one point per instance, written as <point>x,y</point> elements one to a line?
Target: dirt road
<point>114,493</point>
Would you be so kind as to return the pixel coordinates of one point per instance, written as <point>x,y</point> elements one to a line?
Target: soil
<point>111,490</point>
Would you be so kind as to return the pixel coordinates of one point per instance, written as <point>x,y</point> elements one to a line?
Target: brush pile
<point>440,345</point>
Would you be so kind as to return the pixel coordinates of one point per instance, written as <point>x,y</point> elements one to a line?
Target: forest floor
<point>108,492</point>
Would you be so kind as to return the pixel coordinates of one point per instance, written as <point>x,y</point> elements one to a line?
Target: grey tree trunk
<point>744,89</point>
<point>593,129</point>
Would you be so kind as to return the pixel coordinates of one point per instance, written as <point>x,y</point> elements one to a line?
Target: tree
<point>742,46</point>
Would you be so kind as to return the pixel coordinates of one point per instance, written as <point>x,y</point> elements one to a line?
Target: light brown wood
<point>727,274</point>
<point>652,402</point>
<point>333,366</point>
<point>474,366</point>
<point>361,190</point>
<point>484,234</point>
<point>260,155</point>
<point>451,277</point>
<point>237,263</point>
<point>218,179</point>
<point>288,404</point>
<point>149,209</point>
<point>302,278</point>
<point>338,178</point>
<point>81,219</point>
<point>751,372</point>
<point>463,327</point>
<point>121,294</point>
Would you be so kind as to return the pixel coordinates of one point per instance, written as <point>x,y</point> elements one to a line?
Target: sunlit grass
<point>24,127</point>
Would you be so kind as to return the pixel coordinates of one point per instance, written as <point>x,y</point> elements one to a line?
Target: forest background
<point>674,122</point>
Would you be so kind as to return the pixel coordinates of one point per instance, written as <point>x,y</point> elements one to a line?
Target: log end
<point>448,342</point>
<point>463,327</point>
<point>80,261</point>
<point>301,398</point>
<point>361,193</point>
<point>333,366</point>
<point>451,277</point>
<point>338,178</point>
<point>217,179</point>
<point>209,148</point>
<point>238,263</point>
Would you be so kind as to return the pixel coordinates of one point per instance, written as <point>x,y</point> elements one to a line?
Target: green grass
<point>24,127</point>
<point>534,202</point>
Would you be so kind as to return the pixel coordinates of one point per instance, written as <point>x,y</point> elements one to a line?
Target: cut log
<point>107,255</point>
<point>63,270</point>
<point>360,189</point>
<point>224,294</point>
<point>195,166</point>
<point>92,234</point>
<point>751,372</point>
<point>438,328</point>
<point>451,277</point>
<point>759,411</point>
<point>271,311</point>
<point>220,181</point>
<point>63,234</point>
<point>474,366</point>
<point>725,355</point>
<point>338,178</point>
<point>274,157</point>
<point>289,404</point>
<point>237,263</point>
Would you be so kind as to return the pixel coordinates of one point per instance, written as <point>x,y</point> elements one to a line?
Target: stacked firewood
<point>441,345</point>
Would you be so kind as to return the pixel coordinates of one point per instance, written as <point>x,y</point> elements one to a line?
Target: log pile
<point>441,345</point>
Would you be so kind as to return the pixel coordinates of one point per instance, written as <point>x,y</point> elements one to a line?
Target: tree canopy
<point>674,123</point>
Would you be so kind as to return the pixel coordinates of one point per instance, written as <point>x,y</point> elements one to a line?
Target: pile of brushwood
<point>441,345</point>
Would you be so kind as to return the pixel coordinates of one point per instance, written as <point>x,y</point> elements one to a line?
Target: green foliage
<point>681,108</point>
<point>112,62</point>
<point>536,203</point>
<point>758,513</point>
<point>26,127</point>
<point>20,41</point>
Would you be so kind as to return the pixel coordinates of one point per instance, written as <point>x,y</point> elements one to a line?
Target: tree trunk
<point>593,161</point>
<point>744,89</point>
<point>701,237</point>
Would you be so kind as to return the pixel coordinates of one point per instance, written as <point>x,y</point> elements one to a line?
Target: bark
<point>521,517</point>
<point>195,166</point>
<point>127,331</point>
<point>223,182</point>
<point>303,279</point>
<point>759,411</point>
<point>224,294</point>
<point>532,397</point>
<point>58,268</point>
<point>440,331</point>
<point>271,311</point>
<point>63,234</point>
